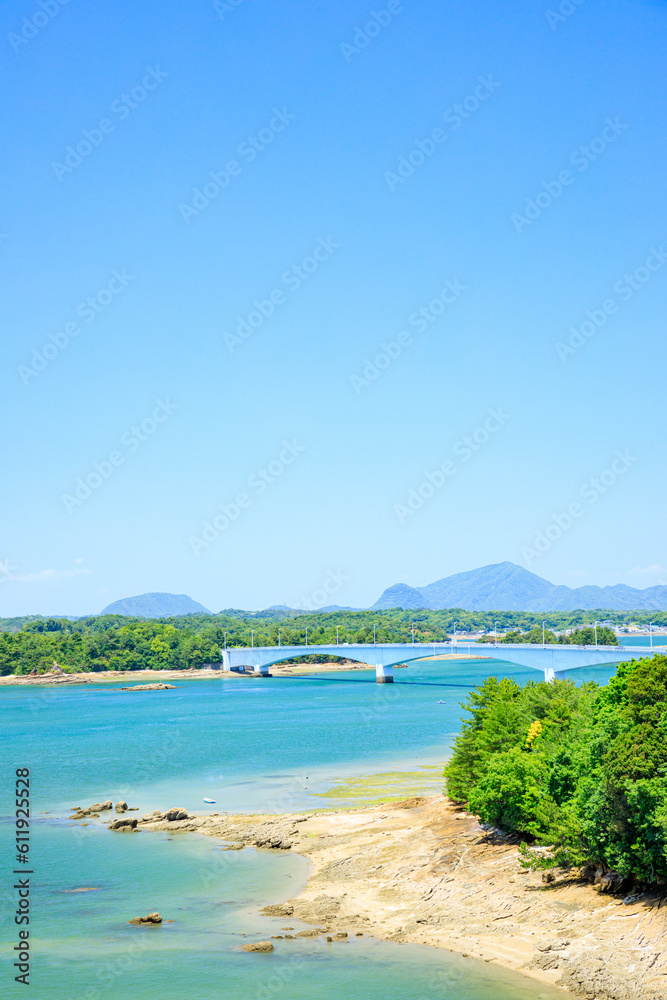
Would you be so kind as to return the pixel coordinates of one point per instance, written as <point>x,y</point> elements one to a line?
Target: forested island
<point>116,642</point>
<point>581,770</point>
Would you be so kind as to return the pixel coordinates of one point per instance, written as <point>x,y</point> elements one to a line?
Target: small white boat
<point>210,801</point>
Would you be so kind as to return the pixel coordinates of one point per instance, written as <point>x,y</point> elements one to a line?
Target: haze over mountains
<point>508,587</point>
<point>498,587</point>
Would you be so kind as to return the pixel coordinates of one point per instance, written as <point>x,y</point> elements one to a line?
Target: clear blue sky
<point>318,120</point>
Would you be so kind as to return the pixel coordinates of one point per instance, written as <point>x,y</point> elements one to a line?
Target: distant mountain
<point>508,587</point>
<point>337,607</point>
<point>155,606</point>
<point>305,611</point>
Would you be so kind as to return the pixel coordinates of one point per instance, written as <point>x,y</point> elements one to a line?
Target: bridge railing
<point>483,649</point>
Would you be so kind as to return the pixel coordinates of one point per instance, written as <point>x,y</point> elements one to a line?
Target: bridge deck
<point>553,659</point>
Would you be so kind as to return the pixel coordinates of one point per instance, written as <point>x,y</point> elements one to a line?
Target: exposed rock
<point>277,843</point>
<point>341,936</point>
<point>588,872</point>
<point>258,946</point>
<point>279,910</point>
<point>121,807</point>
<point>176,813</point>
<point>152,918</point>
<point>546,961</point>
<point>308,934</point>
<point>149,687</point>
<point>81,811</point>
<point>234,846</point>
<point>154,817</point>
<point>123,824</point>
<point>588,978</point>
<point>610,881</point>
<point>318,910</point>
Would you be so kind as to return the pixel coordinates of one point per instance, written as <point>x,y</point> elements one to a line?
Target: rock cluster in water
<point>80,812</point>
<point>93,811</point>
<point>150,687</point>
<point>276,833</point>
<point>127,824</point>
<point>152,918</point>
<point>175,815</point>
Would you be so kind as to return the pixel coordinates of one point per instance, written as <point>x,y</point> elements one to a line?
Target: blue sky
<point>266,265</point>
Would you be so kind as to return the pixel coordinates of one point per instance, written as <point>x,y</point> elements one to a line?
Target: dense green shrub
<point>583,769</point>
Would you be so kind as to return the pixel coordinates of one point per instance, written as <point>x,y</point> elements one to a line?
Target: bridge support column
<point>550,675</point>
<point>261,671</point>
<point>384,675</point>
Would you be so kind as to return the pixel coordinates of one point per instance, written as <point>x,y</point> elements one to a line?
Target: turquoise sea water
<point>642,640</point>
<point>252,744</point>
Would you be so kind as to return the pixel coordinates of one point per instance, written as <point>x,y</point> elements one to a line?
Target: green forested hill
<point>582,769</point>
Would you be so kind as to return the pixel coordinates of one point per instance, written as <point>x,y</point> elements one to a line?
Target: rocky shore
<point>423,871</point>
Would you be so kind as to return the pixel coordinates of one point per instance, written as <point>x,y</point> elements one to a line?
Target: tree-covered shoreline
<point>582,770</point>
<point>116,642</point>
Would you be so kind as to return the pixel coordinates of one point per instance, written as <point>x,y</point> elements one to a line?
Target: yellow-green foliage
<point>534,731</point>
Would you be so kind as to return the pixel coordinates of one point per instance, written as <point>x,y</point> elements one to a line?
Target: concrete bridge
<point>553,660</point>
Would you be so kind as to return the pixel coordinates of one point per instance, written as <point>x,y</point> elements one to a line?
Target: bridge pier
<point>550,675</point>
<point>384,675</point>
<point>261,670</point>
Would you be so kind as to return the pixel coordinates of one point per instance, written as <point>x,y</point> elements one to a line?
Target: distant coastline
<point>189,674</point>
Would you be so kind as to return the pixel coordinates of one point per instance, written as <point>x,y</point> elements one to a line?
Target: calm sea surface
<point>270,744</point>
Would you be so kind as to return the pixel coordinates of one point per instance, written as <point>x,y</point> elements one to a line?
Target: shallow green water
<point>262,744</point>
<point>85,950</point>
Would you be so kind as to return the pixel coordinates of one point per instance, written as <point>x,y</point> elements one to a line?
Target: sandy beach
<point>421,870</point>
